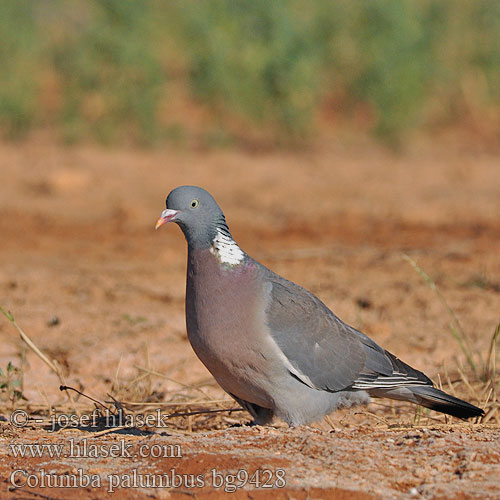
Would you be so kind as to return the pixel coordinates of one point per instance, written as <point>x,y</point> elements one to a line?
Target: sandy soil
<point>100,292</point>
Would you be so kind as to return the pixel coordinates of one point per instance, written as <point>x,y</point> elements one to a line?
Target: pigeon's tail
<point>437,400</point>
<point>407,384</point>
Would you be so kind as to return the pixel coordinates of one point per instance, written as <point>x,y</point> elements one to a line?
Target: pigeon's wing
<point>323,352</point>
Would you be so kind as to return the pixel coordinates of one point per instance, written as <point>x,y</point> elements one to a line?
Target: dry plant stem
<point>450,385</point>
<point>23,361</point>
<point>491,359</point>
<point>39,353</point>
<point>44,397</point>
<point>68,389</point>
<point>115,383</point>
<point>169,403</point>
<point>465,380</point>
<point>330,423</point>
<point>490,392</point>
<point>158,374</point>
<point>376,417</point>
<point>489,415</point>
<point>203,412</point>
<point>455,326</point>
<point>107,431</point>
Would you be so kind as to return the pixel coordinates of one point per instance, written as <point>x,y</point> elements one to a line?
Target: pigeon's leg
<point>261,415</point>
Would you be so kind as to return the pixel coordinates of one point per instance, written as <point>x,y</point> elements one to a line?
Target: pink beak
<point>166,216</point>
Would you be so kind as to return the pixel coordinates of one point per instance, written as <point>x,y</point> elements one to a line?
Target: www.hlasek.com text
<point>85,448</point>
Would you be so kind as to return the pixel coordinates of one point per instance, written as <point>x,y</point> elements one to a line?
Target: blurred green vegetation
<point>115,70</point>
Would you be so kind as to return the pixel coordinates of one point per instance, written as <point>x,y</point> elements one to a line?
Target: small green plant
<point>483,367</point>
<point>11,383</point>
<point>134,320</point>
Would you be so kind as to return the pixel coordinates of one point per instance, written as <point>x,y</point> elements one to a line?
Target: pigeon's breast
<point>225,307</point>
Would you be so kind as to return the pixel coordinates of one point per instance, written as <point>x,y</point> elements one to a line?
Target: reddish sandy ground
<point>78,245</point>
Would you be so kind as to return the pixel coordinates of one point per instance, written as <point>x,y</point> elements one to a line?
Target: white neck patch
<point>226,249</point>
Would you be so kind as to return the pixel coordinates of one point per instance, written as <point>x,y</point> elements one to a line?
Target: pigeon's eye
<point>194,203</point>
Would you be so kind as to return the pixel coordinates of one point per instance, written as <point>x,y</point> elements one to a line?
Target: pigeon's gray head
<point>197,214</point>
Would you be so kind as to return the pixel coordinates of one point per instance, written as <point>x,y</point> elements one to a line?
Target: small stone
<point>54,321</point>
<point>363,303</point>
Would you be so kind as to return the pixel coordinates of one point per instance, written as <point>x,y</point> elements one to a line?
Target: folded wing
<point>325,353</point>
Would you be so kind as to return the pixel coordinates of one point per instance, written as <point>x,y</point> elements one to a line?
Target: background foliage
<point>117,70</point>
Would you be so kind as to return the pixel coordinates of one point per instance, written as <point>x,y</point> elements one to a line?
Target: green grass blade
<point>455,327</point>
